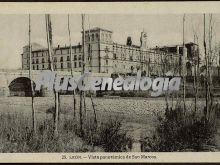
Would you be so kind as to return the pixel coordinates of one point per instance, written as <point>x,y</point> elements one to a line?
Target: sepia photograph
<point>109,82</point>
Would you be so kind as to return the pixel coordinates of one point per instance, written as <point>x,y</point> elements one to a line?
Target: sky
<point>162,29</point>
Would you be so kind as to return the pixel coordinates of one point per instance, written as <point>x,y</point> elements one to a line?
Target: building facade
<point>103,55</point>
<point>192,54</point>
<point>61,58</point>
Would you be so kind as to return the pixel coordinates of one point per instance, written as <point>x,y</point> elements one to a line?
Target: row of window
<point>127,67</point>
<point>131,58</point>
<point>137,53</point>
<point>124,48</point>
<point>153,57</point>
<point>55,59</point>
<point>58,51</point>
<point>36,67</point>
<point>104,37</point>
<point>67,51</point>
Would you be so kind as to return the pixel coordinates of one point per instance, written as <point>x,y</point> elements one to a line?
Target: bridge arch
<point>21,86</point>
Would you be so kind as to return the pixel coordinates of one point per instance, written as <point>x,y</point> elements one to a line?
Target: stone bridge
<point>17,82</point>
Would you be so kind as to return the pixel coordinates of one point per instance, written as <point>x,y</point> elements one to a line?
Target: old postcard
<point>110,82</point>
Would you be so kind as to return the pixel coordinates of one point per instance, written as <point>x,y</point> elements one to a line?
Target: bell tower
<point>98,46</point>
<point>143,40</point>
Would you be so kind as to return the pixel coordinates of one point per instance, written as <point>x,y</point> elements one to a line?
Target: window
<point>55,66</point>
<point>33,67</point>
<point>102,37</point>
<point>61,65</point>
<point>61,59</point>
<point>37,61</point>
<point>32,61</point>
<point>37,67</point>
<point>114,56</point>
<point>80,64</point>
<point>92,37</point>
<point>58,51</point>
<point>123,56</point>
<point>75,57</point>
<point>106,49</point>
<point>68,65</point>
<point>79,57</point>
<point>106,37</point>
<point>87,38</point>
<point>106,61</point>
<point>68,58</point>
<point>42,60</point>
<point>55,59</point>
<point>42,66</point>
<point>97,37</point>
<point>75,64</point>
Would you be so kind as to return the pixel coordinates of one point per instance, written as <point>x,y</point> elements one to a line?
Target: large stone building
<point>105,56</point>
<point>61,58</point>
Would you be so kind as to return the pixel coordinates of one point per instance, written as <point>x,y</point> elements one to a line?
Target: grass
<point>17,136</point>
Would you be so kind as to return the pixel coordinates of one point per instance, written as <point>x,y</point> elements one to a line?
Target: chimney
<point>129,41</point>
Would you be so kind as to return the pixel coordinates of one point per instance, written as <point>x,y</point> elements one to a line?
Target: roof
<point>67,47</point>
<point>135,46</point>
<point>167,46</point>
<point>38,48</point>
<point>98,29</point>
<point>124,45</point>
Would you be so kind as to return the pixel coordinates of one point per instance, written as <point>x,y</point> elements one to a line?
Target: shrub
<point>109,135</point>
<point>179,132</point>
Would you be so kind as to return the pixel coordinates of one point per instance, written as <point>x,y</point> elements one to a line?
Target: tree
<point>50,52</point>
<point>30,77</point>
<point>71,67</point>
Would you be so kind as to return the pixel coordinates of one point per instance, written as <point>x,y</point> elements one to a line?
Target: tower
<point>143,40</point>
<point>98,46</point>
